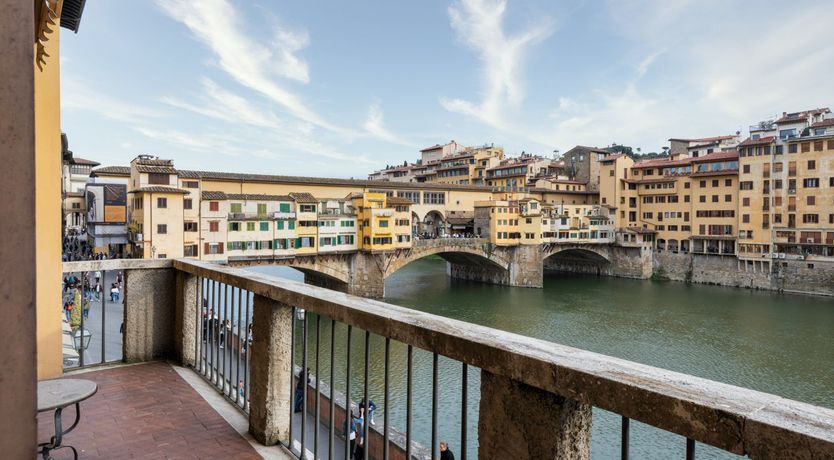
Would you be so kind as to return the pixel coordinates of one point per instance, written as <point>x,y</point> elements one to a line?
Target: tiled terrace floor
<point>146,411</point>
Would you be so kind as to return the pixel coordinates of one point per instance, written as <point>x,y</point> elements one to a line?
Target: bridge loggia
<point>363,273</point>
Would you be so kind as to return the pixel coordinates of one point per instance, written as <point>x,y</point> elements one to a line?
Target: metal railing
<point>296,327</point>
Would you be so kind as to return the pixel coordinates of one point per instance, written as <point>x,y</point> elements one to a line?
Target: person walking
<point>371,410</point>
<point>300,386</point>
<point>114,293</point>
<point>445,452</point>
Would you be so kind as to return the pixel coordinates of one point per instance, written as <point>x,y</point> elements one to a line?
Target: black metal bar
<point>408,403</point>
<point>332,433</point>
<point>101,284</point>
<point>464,402</point>
<point>213,333</point>
<point>385,400</point>
<point>239,346</point>
<point>318,393</point>
<point>624,438</point>
<point>81,331</point>
<point>690,449</point>
<point>248,353</point>
<point>225,335</point>
<point>367,420</point>
<point>303,377</point>
<point>434,406</point>
<point>292,372</point>
<point>348,413</point>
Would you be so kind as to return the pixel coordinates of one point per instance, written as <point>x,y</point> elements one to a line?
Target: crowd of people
<point>436,236</point>
<point>78,293</point>
<point>75,248</point>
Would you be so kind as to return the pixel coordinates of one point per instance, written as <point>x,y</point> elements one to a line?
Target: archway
<point>577,260</point>
<point>434,224</point>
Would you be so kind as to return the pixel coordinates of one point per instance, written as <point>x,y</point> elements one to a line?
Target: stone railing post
<point>149,312</point>
<point>270,397</point>
<point>186,329</point>
<point>520,421</point>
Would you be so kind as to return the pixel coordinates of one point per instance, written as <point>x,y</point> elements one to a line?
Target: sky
<point>339,89</point>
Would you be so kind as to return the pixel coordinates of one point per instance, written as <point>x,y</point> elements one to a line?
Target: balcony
<point>135,237</point>
<point>382,212</point>
<point>176,310</point>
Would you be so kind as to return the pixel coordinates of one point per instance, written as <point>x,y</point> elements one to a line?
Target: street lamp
<point>81,339</point>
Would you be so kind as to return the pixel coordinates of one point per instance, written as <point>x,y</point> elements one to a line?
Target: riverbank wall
<point>797,276</point>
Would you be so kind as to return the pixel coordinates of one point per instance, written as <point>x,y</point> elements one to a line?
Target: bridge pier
<point>367,275</point>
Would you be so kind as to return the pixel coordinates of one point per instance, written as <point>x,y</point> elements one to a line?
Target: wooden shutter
<point>206,249</point>
<point>220,248</point>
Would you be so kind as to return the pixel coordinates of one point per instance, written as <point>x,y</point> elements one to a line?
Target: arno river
<point>780,344</point>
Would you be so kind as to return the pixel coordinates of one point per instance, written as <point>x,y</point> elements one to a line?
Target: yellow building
<point>375,222</point>
<point>402,221</point>
<point>306,228</point>
<point>155,210</point>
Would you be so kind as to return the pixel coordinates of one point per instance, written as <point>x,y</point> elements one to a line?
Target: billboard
<point>107,203</point>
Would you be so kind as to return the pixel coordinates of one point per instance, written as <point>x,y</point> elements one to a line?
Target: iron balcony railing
<point>251,335</point>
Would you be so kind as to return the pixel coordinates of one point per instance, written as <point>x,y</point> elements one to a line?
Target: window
<point>234,226</point>
<point>264,226</point>
<point>189,250</point>
<point>187,203</point>
<point>703,183</point>
<point>434,198</point>
<point>811,182</point>
<point>745,218</point>
<point>715,198</point>
<point>745,185</point>
<point>728,182</point>
<point>291,224</point>
<point>214,226</point>
<point>745,201</point>
<point>214,206</point>
<point>686,199</point>
<point>715,182</point>
<point>779,149</point>
<point>728,198</point>
<point>162,229</point>
<point>237,207</point>
<point>810,219</point>
<point>250,226</point>
<point>806,147</point>
<point>158,179</point>
<point>812,164</point>
<point>686,185</point>
<point>261,209</point>
<point>818,146</point>
<point>383,223</point>
<point>189,227</point>
<point>162,202</point>
<point>702,198</point>
<point>811,200</point>
<point>190,184</point>
<point>745,169</point>
<point>792,148</point>
<point>308,208</point>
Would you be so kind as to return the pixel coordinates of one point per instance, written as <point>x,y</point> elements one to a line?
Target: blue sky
<point>342,88</point>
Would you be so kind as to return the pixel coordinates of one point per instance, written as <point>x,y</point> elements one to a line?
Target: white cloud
<point>246,59</point>
<point>222,104</point>
<point>480,25</point>
<point>76,95</point>
<point>375,126</point>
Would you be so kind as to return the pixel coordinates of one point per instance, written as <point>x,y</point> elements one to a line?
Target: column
<point>185,322</point>
<point>520,421</point>
<point>270,371</point>
<point>149,314</point>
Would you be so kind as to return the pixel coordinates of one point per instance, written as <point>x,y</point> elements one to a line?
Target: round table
<point>57,395</point>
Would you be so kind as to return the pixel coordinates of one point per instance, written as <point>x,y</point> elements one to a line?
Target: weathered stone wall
<point>367,276</point>
<point>631,262</point>
<point>149,314</point>
<point>526,269</point>
<point>326,282</point>
<point>800,276</point>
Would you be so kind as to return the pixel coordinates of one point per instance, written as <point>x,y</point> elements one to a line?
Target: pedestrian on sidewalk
<point>300,386</point>
<point>371,410</point>
<point>114,293</point>
<point>445,452</point>
<point>98,290</point>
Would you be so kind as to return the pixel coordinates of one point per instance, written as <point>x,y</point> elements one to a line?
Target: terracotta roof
<point>661,163</point>
<point>396,200</point>
<point>759,141</point>
<point>75,194</point>
<point>590,149</point>
<point>801,116</point>
<point>153,162</point>
<point>155,169</point>
<point>257,197</point>
<point>209,195</point>
<point>160,189</point>
<point>723,172</point>
<point>111,171</point>
<point>82,161</point>
<point>825,123</point>
<point>704,139</point>
<point>717,156</point>
<point>434,147</point>
<point>612,157</point>
<point>304,197</point>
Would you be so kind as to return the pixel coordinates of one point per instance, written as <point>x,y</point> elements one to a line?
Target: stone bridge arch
<point>577,258</point>
<point>458,252</point>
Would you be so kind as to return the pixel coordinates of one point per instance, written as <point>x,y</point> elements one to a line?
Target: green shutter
<point>280,224</point>
<point>285,207</point>
<point>292,224</point>
<point>236,207</point>
<point>264,226</point>
<point>261,209</point>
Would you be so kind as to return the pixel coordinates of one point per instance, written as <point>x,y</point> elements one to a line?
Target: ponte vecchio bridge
<point>364,273</point>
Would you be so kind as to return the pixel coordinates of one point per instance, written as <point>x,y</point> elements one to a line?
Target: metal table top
<point>54,394</point>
